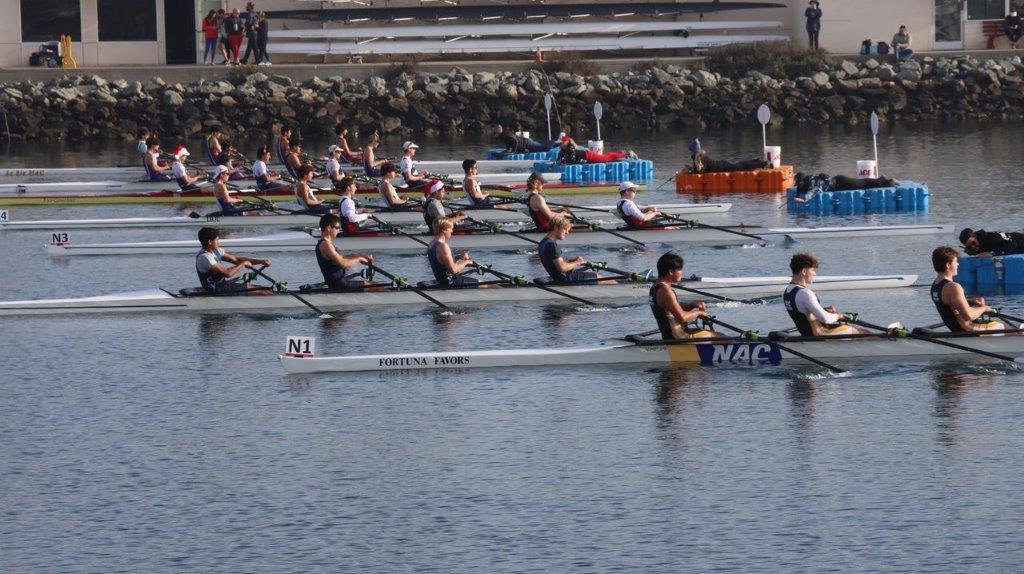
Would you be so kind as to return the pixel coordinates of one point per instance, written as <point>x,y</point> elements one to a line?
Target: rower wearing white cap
<point>350,216</point>
<point>810,318</point>
<point>407,167</point>
<point>185,181</point>
<point>334,166</point>
<point>634,215</point>
<point>540,211</point>
<point>304,194</point>
<point>229,205</point>
<point>434,208</point>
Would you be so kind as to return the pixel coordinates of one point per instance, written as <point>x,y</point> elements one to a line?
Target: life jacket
<point>802,322</point>
<point>347,227</point>
<point>547,250</point>
<point>949,318</point>
<point>540,220</point>
<point>630,221</point>
<point>441,273</point>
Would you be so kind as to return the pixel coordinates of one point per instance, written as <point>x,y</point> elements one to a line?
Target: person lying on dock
<point>988,243</point>
<point>341,140</point>
<point>803,307</point>
<point>304,192</point>
<point>807,186</point>
<point>338,270</point>
<point>215,276</point>
<point>386,187</point>
<point>434,209</point>
<point>350,216</point>
<point>537,206</point>
<point>450,271</point>
<point>672,316</point>
<point>471,186</point>
<point>569,153</point>
<point>155,169</point>
<point>266,180</point>
<point>186,181</point>
<point>704,163</point>
<point>229,205</point>
<point>958,313</point>
<point>634,215</point>
<point>518,144</point>
<point>560,269</point>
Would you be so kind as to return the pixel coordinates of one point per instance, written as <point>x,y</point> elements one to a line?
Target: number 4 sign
<point>300,347</point>
<point>4,215</point>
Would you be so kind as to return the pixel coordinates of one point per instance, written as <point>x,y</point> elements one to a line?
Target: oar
<point>695,223</point>
<point>395,230</point>
<point>402,283</point>
<point>852,319</point>
<point>753,336</point>
<point>638,278</point>
<point>997,313</point>
<point>323,314</point>
<point>495,228</point>
<point>593,226</point>
<point>520,280</point>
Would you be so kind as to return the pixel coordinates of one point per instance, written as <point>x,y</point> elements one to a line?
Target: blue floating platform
<point>636,169</point>
<point>998,274</point>
<point>499,153</point>
<point>908,197</point>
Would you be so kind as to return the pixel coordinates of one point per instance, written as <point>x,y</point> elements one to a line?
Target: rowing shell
<point>154,300</point>
<point>115,187</point>
<point>709,352</point>
<point>287,220</point>
<point>204,196</point>
<point>383,241</point>
<point>136,172</point>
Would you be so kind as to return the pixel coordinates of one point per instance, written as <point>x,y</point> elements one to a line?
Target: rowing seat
<point>426,284</point>
<point>306,288</point>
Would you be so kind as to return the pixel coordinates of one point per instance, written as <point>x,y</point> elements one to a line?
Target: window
<point>986,9</point>
<point>127,20</point>
<point>43,20</point>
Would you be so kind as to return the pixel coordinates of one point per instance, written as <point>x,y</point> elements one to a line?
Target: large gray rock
<point>911,75</point>
<point>871,64</point>
<point>172,99</point>
<point>849,67</point>
<point>66,93</point>
<point>703,78</point>
<point>820,78</point>
<point>885,73</point>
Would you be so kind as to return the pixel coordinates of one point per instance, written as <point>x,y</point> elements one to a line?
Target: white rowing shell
<point>300,241</point>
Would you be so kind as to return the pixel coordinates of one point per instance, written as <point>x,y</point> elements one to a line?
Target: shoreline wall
<point>83,107</point>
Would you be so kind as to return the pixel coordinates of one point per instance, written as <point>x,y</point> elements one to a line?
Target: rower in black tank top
<point>666,322</point>
<point>949,318</point>
<point>803,324</point>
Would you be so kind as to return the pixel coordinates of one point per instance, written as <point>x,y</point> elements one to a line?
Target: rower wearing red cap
<point>434,208</point>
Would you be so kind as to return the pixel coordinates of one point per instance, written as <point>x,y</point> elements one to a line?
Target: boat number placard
<point>744,353</point>
<point>4,215</point>
<point>59,238</point>
<point>300,346</point>
<point>213,218</point>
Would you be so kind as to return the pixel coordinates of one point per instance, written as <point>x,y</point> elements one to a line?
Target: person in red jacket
<point>210,29</point>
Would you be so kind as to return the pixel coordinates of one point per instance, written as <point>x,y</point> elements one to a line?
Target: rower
<point>371,165</point>
<point>958,313</point>
<point>337,269</point>
<point>471,186</point>
<point>228,157</point>
<point>988,243</point>
<point>434,209</point>
<point>560,269</point>
<point>341,140</point>
<point>282,144</point>
<point>215,277</point>
<point>810,318</point>
<point>185,181</point>
<point>304,194</point>
<point>229,205</point>
<point>266,180</point>
<point>211,145</point>
<point>350,217</point>
<point>387,189</point>
<point>334,172</point>
<point>141,146</point>
<point>636,217</point>
<point>155,170</point>
<point>407,167</point>
<point>293,161</point>
<point>672,316</point>
<point>449,271</point>
<point>538,207</point>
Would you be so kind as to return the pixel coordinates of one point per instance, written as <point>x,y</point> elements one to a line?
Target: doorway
<point>180,31</point>
<point>949,25</point>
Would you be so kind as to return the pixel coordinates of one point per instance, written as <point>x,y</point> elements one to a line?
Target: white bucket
<point>596,146</point>
<point>773,155</point>
<point>867,168</point>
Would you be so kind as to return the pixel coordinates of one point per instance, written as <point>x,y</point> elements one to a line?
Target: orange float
<point>776,180</point>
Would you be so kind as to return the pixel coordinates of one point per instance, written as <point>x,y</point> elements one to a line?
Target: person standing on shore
<point>813,15</point>
<point>211,27</point>
<point>235,29</point>
<point>250,20</point>
<point>1012,26</point>
<point>222,36</point>
<point>262,31</point>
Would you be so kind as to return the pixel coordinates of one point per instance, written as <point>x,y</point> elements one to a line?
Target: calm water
<point>173,443</point>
